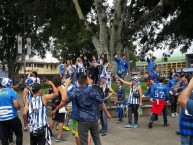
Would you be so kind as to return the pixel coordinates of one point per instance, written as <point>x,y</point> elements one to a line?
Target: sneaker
<point>173,115</point>
<point>66,128</point>
<point>128,126</point>
<point>60,139</point>
<point>176,114</point>
<point>150,124</point>
<point>104,133</point>
<point>11,142</point>
<point>118,121</point>
<point>135,126</point>
<point>25,129</point>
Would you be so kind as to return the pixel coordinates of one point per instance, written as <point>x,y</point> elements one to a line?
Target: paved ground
<point>118,135</point>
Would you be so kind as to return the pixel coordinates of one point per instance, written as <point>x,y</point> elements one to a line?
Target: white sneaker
<point>173,115</point>
<point>177,115</point>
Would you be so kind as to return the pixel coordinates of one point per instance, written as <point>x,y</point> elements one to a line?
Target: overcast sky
<point>158,53</point>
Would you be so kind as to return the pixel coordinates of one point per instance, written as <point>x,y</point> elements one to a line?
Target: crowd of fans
<point>87,85</point>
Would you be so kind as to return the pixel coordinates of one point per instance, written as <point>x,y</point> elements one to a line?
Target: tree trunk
<point>97,44</point>
<point>116,41</point>
<point>103,37</point>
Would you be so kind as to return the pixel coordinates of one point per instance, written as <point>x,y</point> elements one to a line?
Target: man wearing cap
<point>8,112</point>
<point>103,118</point>
<point>122,66</point>
<point>150,65</point>
<point>87,99</point>
<point>35,113</point>
<point>173,95</point>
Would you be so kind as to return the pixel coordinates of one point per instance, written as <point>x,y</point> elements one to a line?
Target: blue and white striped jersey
<point>37,113</point>
<point>132,99</point>
<point>80,67</point>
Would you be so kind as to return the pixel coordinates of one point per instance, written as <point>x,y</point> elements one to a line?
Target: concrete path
<point>118,135</point>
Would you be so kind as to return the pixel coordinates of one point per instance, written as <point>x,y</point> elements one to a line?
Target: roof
<point>186,70</point>
<point>49,59</point>
<point>170,59</point>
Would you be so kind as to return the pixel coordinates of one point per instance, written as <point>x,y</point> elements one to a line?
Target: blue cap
<point>134,79</point>
<point>30,81</point>
<point>102,77</point>
<point>6,82</point>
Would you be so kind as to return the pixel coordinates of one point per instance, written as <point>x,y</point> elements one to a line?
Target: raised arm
<point>47,97</point>
<point>185,94</point>
<point>123,81</point>
<point>117,59</point>
<point>17,85</point>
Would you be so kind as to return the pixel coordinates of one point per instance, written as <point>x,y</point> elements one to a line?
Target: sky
<point>157,53</point>
<point>176,52</point>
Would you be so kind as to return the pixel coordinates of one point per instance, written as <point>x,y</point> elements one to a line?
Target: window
<point>47,66</point>
<point>40,65</point>
<point>51,67</point>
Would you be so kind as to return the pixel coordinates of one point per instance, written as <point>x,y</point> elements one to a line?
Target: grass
<point>159,60</point>
<point>143,86</point>
<point>127,87</point>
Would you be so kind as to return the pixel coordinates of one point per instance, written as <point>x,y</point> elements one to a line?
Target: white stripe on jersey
<point>37,113</point>
<point>131,99</point>
<point>80,67</point>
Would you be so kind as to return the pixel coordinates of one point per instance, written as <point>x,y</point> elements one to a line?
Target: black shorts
<point>59,117</point>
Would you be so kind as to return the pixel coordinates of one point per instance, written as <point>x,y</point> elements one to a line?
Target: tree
<point>22,18</point>
<point>129,21</point>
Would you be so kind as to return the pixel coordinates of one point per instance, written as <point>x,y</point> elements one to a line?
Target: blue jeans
<point>103,120</point>
<point>119,110</point>
<point>155,117</point>
<point>186,140</point>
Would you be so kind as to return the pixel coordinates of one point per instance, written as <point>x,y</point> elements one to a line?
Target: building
<point>164,67</point>
<point>46,68</point>
<point>189,60</point>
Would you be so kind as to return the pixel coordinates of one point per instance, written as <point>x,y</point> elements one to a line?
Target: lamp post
<point>21,45</point>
